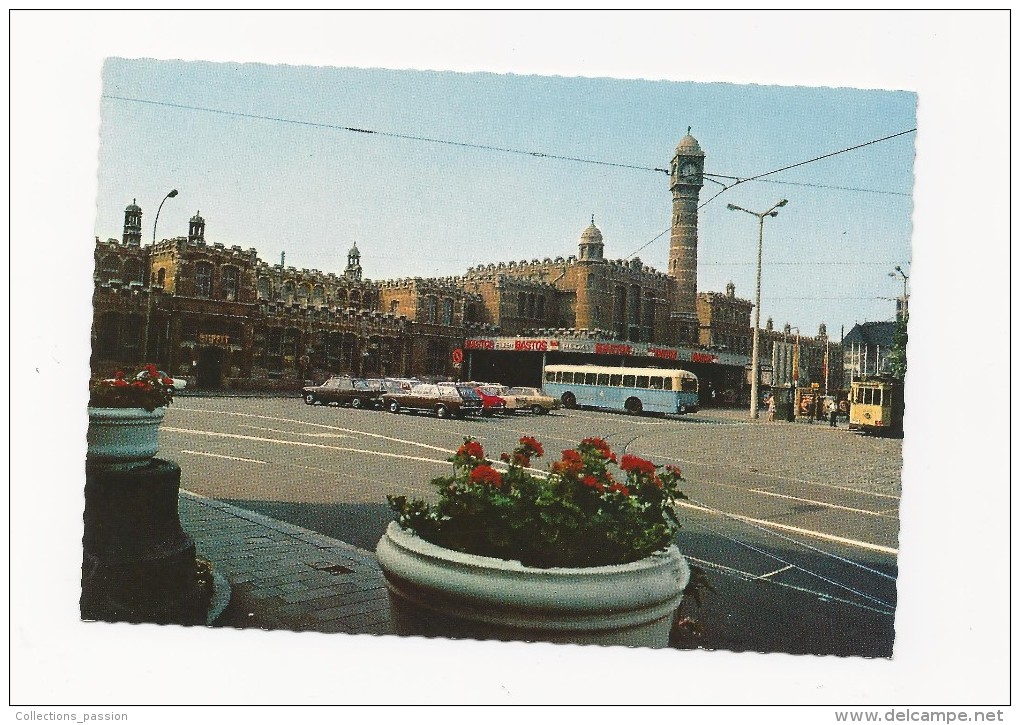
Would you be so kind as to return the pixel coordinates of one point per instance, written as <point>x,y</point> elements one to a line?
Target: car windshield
<point>361,385</point>
<point>468,393</point>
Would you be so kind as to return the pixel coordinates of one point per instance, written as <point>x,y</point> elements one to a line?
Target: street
<point>795,524</point>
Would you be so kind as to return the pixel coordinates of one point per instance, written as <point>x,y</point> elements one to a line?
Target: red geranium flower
<point>487,475</point>
<point>619,488</point>
<point>634,464</point>
<point>600,445</point>
<point>471,449</point>
<point>533,445</point>
<point>675,470</point>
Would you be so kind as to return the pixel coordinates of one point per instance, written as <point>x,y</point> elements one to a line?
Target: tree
<point>898,355</point>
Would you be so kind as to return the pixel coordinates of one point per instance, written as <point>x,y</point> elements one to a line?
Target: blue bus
<point>631,389</point>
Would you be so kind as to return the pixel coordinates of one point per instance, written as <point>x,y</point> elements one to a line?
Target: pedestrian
<point>833,412</point>
<point>772,407</point>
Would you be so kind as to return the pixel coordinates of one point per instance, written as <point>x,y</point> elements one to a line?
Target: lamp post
<point>903,306</point>
<point>755,364</point>
<point>148,302</point>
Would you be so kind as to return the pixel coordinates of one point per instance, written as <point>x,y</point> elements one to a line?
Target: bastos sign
<point>625,349</point>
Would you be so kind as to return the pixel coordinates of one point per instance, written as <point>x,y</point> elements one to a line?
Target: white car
<point>532,399</point>
<point>177,384</point>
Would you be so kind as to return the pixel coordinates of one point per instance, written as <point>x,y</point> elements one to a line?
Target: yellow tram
<point>876,405</point>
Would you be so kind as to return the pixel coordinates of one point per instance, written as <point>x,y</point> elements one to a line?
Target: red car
<point>492,404</point>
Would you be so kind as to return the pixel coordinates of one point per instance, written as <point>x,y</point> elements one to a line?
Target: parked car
<point>445,400</point>
<point>533,399</point>
<point>492,403</point>
<point>342,390</point>
<point>177,384</point>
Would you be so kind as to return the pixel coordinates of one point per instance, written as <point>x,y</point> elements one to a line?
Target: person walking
<point>833,412</point>
<point>772,408</point>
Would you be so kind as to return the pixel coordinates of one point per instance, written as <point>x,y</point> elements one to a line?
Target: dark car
<point>342,390</point>
<point>444,400</point>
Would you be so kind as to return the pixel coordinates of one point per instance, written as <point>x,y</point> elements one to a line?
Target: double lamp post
<point>755,363</point>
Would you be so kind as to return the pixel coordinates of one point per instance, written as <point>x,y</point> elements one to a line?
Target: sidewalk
<point>285,577</point>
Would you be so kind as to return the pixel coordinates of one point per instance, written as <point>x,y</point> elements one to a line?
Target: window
<point>642,381</point>
<point>318,294</point>
<point>447,312</point>
<point>160,277</point>
<point>109,268</point>
<point>550,376</point>
<point>667,383</point>
<point>615,380</point>
<point>603,379</point>
<point>394,306</point>
<point>628,381</point>
<point>133,271</point>
<point>288,291</point>
<point>522,304</point>
<point>540,310</point>
<point>228,276</point>
<point>655,383</point>
<point>264,288</point>
<point>430,309</point>
<point>589,378</point>
<point>203,279</point>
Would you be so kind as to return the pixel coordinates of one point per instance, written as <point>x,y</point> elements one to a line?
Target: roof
<point>871,333</point>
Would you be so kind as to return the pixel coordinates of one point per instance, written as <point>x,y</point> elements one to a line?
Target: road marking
<point>231,458</point>
<point>294,433</point>
<point>319,425</point>
<point>773,573</point>
<point>818,503</point>
<point>257,439</point>
<point>796,529</point>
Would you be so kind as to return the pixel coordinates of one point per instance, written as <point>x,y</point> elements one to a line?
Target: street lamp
<point>757,298</point>
<point>148,301</point>
<point>903,308</point>
<point>170,195</point>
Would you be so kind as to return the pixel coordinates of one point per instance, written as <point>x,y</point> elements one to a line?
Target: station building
<point>226,317</point>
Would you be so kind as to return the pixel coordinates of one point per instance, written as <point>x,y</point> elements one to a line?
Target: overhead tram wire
<point>388,134</point>
<point>760,177</point>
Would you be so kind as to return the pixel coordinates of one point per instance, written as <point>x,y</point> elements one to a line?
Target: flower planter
<point>442,593</point>
<point>122,438</point>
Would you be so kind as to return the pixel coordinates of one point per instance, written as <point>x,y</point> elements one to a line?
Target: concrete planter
<point>436,592</point>
<point>122,438</point>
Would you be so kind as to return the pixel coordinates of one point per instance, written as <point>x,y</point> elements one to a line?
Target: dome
<point>689,145</point>
<point>354,251</point>
<point>197,217</point>
<point>133,206</point>
<point>591,234</point>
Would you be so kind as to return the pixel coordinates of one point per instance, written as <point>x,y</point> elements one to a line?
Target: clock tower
<point>685,182</point>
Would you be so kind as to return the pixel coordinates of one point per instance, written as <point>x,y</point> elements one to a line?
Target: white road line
<point>796,530</point>
<point>818,503</point>
<point>294,433</point>
<point>231,458</point>
<point>318,425</point>
<point>773,573</point>
<point>256,439</point>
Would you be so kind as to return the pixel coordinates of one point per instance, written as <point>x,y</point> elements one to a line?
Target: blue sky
<point>418,208</point>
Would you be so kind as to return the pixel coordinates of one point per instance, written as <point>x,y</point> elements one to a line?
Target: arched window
<point>430,309</point>
<point>228,274</point>
<point>318,294</point>
<point>288,291</point>
<point>341,297</point>
<point>203,279</point>
<point>355,299</point>
<point>304,291</point>
<point>394,306</point>
<point>160,277</point>
<point>133,271</point>
<point>447,311</point>
<point>109,268</point>
<point>265,288</point>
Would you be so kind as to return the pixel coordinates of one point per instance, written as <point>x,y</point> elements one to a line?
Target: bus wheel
<point>569,401</point>
<point>633,405</point>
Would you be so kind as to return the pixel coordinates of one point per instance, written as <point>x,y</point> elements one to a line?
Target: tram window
<point>642,381</point>
<point>628,381</point>
<point>589,379</point>
<point>667,383</point>
<point>655,383</point>
<point>603,378</point>
<point>615,379</point>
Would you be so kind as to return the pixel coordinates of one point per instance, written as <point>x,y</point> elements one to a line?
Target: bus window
<point>642,381</point>
<point>550,376</point>
<point>689,385</point>
<point>667,383</point>
<point>628,381</point>
<point>589,378</point>
<point>655,383</point>
<point>603,379</point>
<point>615,380</point>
